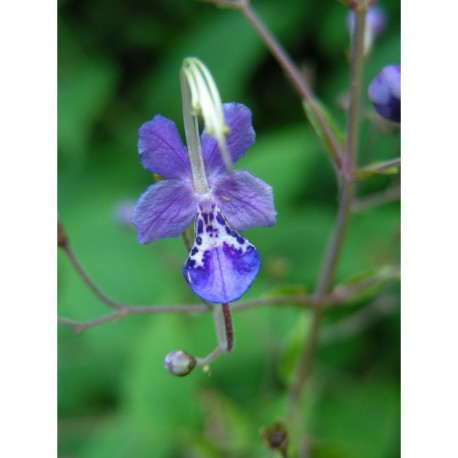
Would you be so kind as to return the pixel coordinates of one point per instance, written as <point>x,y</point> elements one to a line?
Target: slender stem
<point>88,280</point>
<point>335,244</point>
<point>224,334</point>
<point>298,82</point>
<point>359,320</point>
<point>220,327</point>
<point>341,294</point>
<point>357,60</point>
<point>330,263</point>
<point>207,360</point>
<point>125,309</point>
<point>384,197</point>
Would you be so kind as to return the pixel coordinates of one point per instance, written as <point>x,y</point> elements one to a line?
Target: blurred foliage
<point>118,67</point>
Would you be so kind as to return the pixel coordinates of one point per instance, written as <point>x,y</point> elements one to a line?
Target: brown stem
<point>88,280</point>
<point>340,295</point>
<point>228,326</point>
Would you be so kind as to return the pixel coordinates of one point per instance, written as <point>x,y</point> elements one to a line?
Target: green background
<point>119,66</point>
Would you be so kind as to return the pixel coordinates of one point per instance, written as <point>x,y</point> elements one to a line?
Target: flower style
<point>222,264</point>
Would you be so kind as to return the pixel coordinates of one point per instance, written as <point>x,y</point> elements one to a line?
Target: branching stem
<point>341,295</point>
<point>335,243</point>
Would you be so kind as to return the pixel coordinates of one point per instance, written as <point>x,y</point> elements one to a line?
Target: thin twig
<point>361,319</point>
<point>341,295</point>
<point>79,326</point>
<point>88,280</point>
<point>384,197</point>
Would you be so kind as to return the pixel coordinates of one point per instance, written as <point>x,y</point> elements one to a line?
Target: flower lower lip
<point>222,264</point>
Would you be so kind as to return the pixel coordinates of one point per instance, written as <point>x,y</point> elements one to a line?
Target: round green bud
<point>179,363</point>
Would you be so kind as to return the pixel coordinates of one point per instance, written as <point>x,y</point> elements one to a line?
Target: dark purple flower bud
<point>275,436</point>
<point>179,363</point>
<point>385,93</point>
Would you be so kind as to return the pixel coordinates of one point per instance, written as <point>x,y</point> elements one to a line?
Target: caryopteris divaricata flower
<point>385,93</point>
<point>222,264</point>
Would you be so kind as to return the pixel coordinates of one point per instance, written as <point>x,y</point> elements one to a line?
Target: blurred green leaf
<point>287,290</point>
<point>360,418</point>
<point>392,167</point>
<point>293,346</point>
<point>83,94</point>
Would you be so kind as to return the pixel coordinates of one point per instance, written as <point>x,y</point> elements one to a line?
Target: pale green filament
<point>201,97</point>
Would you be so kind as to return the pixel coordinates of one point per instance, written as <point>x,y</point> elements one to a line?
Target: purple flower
<point>222,264</point>
<point>385,93</point>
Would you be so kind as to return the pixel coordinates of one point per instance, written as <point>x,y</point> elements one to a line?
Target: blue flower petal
<point>241,137</point>
<point>165,209</point>
<point>222,264</point>
<point>161,149</point>
<point>245,200</point>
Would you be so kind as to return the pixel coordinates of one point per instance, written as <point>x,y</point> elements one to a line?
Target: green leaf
<point>287,290</point>
<point>83,94</point>
<point>391,167</point>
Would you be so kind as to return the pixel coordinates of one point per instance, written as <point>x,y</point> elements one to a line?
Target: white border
<point>28,83</point>
<point>429,228</point>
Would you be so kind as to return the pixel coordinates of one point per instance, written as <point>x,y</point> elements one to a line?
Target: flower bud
<point>385,93</point>
<point>375,26</point>
<point>275,436</point>
<point>179,363</point>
